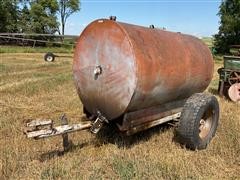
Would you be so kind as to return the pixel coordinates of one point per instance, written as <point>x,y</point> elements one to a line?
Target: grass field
<point>32,88</point>
<point>29,49</point>
<point>208,41</point>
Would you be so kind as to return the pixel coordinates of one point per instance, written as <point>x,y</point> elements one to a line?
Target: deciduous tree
<point>44,16</point>
<point>229,30</point>
<point>24,20</point>
<point>66,9</point>
<point>8,16</point>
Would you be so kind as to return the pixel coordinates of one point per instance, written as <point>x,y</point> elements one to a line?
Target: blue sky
<point>196,17</point>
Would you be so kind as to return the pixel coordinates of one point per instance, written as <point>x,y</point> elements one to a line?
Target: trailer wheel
<point>198,121</point>
<point>49,57</point>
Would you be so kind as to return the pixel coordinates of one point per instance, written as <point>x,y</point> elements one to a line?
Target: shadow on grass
<point>57,153</point>
<point>110,135</point>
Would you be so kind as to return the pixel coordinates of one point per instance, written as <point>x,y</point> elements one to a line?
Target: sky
<point>195,17</point>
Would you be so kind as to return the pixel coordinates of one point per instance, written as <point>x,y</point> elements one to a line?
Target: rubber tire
<point>187,132</point>
<point>49,55</point>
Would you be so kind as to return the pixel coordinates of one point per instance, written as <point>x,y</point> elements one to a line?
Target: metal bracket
<point>66,143</point>
<point>98,123</point>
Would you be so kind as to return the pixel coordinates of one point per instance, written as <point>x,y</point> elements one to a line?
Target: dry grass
<point>32,88</point>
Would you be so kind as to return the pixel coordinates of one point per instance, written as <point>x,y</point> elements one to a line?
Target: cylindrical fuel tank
<point>120,67</point>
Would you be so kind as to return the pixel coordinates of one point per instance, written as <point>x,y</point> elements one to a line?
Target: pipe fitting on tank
<point>151,26</point>
<point>97,71</point>
<point>113,18</point>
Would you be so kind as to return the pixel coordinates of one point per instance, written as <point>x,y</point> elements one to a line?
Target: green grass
<point>208,41</point>
<point>45,84</point>
<point>124,168</point>
<point>4,68</point>
<point>24,49</point>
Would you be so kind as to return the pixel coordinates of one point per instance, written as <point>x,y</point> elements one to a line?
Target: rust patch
<point>141,67</point>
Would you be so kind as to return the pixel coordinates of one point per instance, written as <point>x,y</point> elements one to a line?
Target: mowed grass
<point>28,49</point>
<point>208,41</point>
<point>32,88</point>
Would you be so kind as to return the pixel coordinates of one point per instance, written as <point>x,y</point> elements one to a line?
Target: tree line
<point>229,29</point>
<point>50,16</point>
<point>36,16</point>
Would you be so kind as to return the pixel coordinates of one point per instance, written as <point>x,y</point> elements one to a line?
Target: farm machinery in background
<point>39,40</point>
<point>50,57</point>
<point>229,75</point>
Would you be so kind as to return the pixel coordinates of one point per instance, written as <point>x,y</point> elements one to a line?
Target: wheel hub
<point>205,125</point>
<point>49,58</point>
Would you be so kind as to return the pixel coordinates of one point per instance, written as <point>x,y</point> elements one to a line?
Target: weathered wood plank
<point>38,134</point>
<point>39,122</point>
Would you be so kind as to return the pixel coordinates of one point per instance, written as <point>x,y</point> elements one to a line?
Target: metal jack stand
<point>66,143</point>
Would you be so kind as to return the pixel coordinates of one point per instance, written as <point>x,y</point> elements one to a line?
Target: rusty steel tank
<point>120,68</point>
